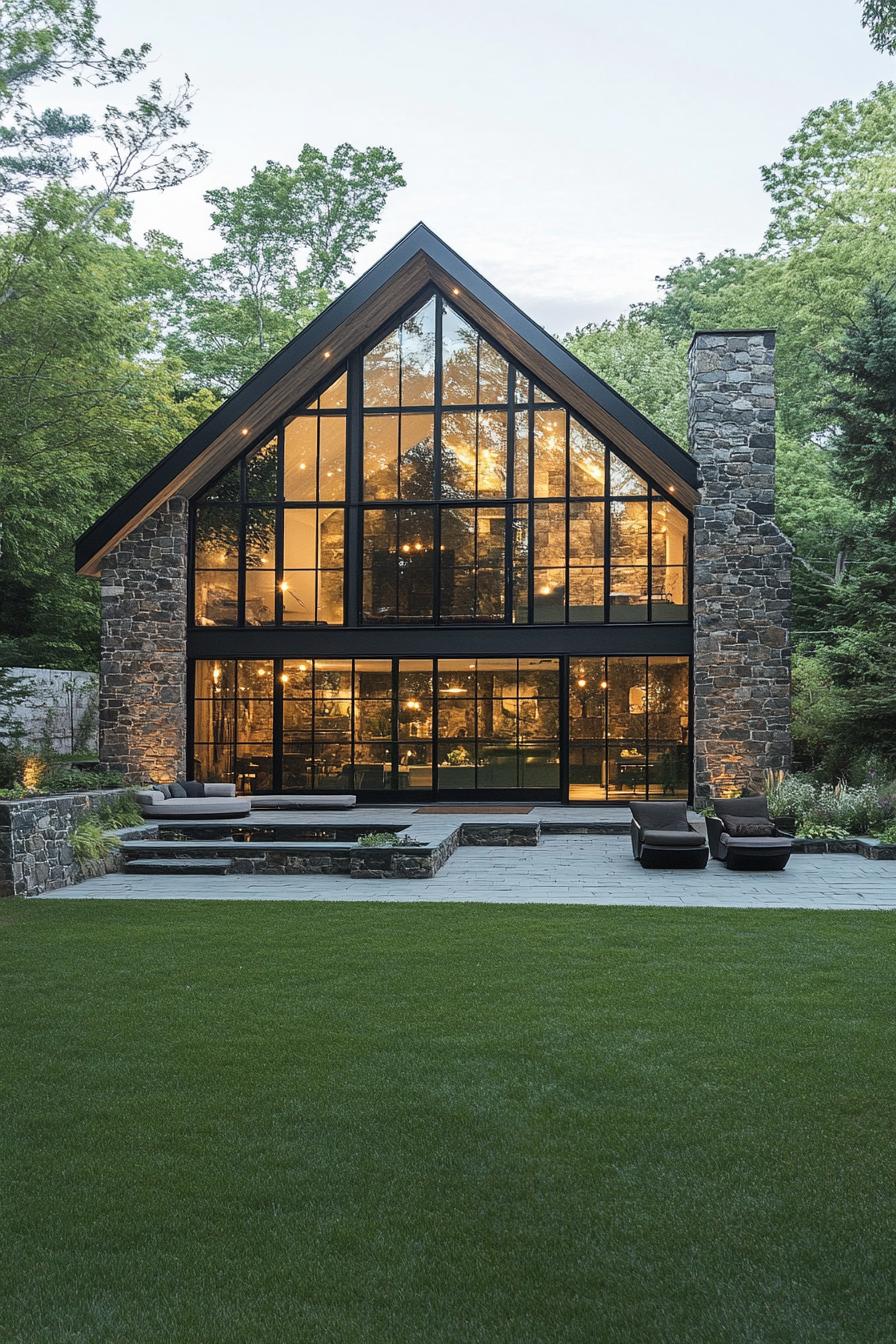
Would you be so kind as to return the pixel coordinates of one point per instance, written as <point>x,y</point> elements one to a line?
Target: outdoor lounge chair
<point>662,837</point>
<point>742,835</point>
<point>205,800</point>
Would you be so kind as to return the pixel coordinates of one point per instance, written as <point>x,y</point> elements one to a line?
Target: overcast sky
<point>571,151</point>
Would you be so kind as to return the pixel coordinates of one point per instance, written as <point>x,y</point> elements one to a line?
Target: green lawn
<point>290,1122</point>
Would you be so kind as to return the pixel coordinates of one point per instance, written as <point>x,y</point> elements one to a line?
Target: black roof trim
<point>419,239</point>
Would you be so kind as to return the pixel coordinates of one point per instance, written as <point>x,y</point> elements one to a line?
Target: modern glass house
<point>423,554</point>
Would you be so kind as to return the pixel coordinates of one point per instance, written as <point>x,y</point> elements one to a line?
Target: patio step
<point>178,867</point>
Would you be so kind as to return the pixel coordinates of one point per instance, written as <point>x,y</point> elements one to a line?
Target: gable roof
<point>419,259</point>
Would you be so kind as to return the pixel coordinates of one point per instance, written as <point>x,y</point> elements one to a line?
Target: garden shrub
<point>89,840</point>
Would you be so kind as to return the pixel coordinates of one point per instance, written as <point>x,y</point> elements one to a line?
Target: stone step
<point>178,867</point>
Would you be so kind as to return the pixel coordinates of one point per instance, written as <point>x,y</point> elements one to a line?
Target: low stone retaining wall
<point>35,842</point>
<point>862,845</point>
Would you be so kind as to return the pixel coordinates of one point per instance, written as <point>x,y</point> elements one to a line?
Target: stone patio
<point>561,870</point>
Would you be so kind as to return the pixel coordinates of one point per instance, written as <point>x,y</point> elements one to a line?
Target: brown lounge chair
<point>742,835</point>
<point>662,837</point>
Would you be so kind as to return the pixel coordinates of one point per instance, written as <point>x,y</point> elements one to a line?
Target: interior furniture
<point>662,837</point>
<point>742,835</point>
<point>192,799</point>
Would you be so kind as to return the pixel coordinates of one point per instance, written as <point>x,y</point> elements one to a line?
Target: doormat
<point>476,811</point>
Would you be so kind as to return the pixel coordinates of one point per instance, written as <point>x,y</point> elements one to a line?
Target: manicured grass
<point>288,1122</point>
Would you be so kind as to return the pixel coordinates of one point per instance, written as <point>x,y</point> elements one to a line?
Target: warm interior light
<point>412,704</point>
<point>454,690</point>
<point>545,588</point>
<point>455,291</point>
<point>283,585</point>
<point>244,431</point>
<point>582,682</point>
<point>326,354</point>
<point>406,548</point>
<point>216,673</point>
<point>671,489</point>
<point>303,667</point>
<point>603,685</point>
<point>284,677</point>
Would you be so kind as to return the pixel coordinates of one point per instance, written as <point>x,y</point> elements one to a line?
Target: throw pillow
<point>193,787</point>
<point>750,826</point>
<point>177,790</point>
<point>163,789</point>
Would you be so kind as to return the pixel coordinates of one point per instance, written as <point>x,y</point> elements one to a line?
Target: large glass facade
<point>458,725</point>
<point>431,486</point>
<point>480,499</point>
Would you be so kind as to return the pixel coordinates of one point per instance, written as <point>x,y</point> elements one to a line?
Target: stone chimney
<point>741,584</point>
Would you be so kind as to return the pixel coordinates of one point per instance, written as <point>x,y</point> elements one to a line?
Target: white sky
<point>570,151</point>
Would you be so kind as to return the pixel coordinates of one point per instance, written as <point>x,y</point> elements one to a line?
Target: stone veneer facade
<point>143,598</point>
<point>741,583</point>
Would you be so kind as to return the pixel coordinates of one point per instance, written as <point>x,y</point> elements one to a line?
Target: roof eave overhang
<point>419,259</point>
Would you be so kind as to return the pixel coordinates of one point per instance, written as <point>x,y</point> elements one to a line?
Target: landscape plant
<point>385,839</point>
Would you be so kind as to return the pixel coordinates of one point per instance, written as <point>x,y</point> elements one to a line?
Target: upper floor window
<point>269,535</point>
<point>479,497</point>
<point>486,499</point>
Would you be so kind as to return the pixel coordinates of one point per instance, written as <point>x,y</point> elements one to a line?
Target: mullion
<point>567,557</point>
<point>649,553</point>
<point>437,470</point>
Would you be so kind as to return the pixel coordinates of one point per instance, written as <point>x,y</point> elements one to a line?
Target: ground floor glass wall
<point>595,729</point>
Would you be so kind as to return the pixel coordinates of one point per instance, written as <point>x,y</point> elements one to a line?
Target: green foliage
<point>58,779</point>
<point>823,830</point>
<point>89,840</point>
<point>385,839</point>
<point>127,152</point>
<point>290,236</point>
<point>879,20</point>
<point>639,363</point>
<point>861,402</point>
<point>888,833</point>
<point>832,811</point>
<point>120,812</point>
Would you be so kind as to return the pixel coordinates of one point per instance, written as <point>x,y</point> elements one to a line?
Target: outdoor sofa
<point>662,837</point>
<point>192,799</point>
<point>742,835</point>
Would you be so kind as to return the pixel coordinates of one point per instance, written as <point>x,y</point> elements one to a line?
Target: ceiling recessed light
<point>244,431</point>
<point>326,354</point>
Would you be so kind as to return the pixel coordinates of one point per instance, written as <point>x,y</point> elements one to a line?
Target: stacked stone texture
<point>35,842</point>
<point>143,594</point>
<point>741,567</point>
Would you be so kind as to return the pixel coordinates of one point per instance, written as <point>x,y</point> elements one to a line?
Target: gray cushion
<point>749,826</point>
<point>754,841</point>
<point>660,816</point>
<point>673,839</point>
<point>218,791</point>
<point>163,789</point>
<point>193,788</point>
<point>755,807</point>
<point>177,790</point>
<point>198,807</point>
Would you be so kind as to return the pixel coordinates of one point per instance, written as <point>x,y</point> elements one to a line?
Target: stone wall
<point>741,566</point>
<point>35,842</point>
<point>59,711</point>
<point>143,593</point>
